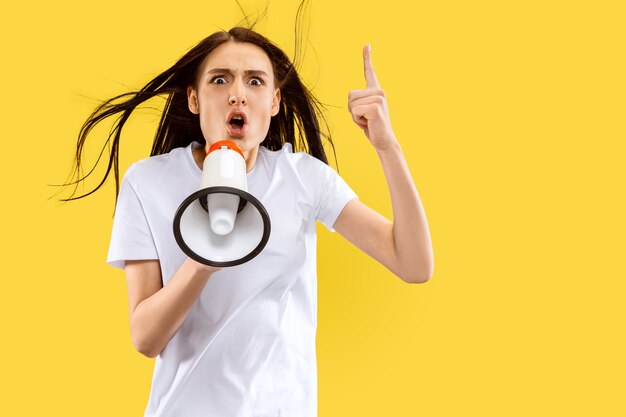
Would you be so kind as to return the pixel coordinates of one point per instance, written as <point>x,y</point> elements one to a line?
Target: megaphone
<point>221,224</point>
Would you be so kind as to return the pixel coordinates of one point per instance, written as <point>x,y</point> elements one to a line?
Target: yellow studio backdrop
<point>511,117</point>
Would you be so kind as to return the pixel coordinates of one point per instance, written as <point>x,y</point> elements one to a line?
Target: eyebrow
<point>231,72</point>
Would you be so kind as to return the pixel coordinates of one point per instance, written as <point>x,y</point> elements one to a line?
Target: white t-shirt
<point>247,345</point>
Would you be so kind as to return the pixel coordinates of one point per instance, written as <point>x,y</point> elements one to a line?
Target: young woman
<point>240,341</point>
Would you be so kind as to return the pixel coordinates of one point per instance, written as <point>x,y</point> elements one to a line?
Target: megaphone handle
<point>205,205</point>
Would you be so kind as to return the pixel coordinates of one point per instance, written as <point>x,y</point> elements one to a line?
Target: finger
<point>356,94</point>
<point>360,121</point>
<point>364,112</point>
<point>375,99</point>
<point>360,94</point>
<point>370,76</point>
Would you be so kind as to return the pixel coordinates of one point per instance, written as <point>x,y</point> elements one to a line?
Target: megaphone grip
<point>205,205</point>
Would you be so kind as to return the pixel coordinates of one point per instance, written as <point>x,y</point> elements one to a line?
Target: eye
<point>256,81</point>
<point>218,80</point>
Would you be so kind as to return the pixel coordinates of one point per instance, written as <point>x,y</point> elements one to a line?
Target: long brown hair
<point>297,122</point>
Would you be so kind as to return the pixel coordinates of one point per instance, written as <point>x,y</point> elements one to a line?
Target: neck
<point>250,157</point>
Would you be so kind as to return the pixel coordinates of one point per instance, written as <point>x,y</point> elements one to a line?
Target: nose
<point>237,99</point>
<point>237,95</point>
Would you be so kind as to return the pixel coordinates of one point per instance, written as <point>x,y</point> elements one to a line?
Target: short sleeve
<point>332,195</point>
<point>131,237</point>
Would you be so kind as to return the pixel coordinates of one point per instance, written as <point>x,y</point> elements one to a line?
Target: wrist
<point>388,146</point>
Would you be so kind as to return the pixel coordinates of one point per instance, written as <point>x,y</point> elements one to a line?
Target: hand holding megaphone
<point>222,224</point>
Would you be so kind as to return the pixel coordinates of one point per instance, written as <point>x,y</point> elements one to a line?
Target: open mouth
<point>237,124</point>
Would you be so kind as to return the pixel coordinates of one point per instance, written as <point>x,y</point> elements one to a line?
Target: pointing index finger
<point>370,76</point>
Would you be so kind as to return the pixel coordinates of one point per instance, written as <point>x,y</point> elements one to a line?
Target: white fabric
<point>247,346</point>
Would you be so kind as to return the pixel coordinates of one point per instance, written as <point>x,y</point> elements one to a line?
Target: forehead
<point>238,56</point>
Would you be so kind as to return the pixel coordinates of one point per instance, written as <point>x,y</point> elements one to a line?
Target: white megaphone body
<point>221,224</point>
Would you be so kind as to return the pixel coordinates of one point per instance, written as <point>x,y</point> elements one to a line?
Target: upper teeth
<point>237,118</point>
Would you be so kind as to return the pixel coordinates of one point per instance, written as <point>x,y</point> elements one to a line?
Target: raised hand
<point>369,107</point>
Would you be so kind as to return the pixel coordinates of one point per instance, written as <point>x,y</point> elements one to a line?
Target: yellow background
<point>511,117</point>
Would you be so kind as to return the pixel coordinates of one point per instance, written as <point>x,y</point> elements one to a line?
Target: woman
<point>240,341</point>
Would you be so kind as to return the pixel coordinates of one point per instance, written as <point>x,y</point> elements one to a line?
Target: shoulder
<point>156,168</point>
<point>301,163</point>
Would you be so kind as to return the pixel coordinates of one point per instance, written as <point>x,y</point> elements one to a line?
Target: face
<point>235,95</point>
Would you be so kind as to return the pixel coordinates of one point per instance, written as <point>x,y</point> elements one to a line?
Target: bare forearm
<point>157,318</point>
<point>411,236</point>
